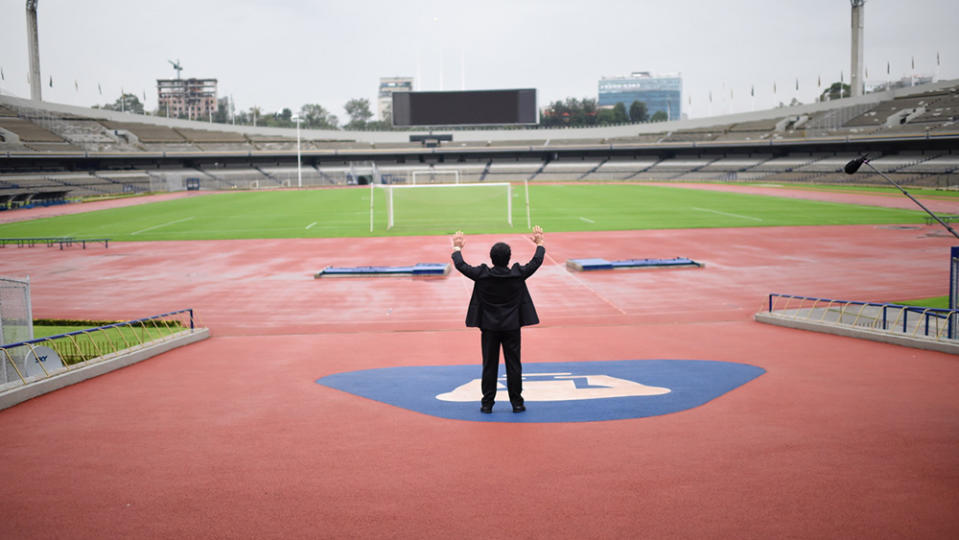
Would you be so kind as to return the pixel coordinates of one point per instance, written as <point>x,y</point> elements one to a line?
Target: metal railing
<point>934,323</point>
<point>27,361</point>
<point>51,241</point>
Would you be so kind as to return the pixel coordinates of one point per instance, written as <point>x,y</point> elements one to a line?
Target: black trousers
<point>509,340</point>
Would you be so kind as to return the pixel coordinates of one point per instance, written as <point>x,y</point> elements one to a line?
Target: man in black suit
<point>499,307</point>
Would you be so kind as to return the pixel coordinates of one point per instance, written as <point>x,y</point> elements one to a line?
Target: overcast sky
<point>284,53</point>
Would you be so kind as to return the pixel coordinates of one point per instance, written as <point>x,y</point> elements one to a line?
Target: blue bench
<point>584,265</point>
<point>417,270</point>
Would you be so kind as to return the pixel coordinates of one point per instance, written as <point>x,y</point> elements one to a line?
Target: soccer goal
<point>447,206</point>
<point>436,176</point>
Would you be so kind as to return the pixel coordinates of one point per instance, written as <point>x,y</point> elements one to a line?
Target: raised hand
<point>537,237</point>
<point>458,239</point>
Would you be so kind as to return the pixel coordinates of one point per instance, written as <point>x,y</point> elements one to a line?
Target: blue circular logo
<point>554,391</point>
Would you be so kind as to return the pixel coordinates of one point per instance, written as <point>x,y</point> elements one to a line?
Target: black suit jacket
<point>500,298</point>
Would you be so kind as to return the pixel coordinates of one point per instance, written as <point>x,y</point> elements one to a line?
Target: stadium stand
<point>567,171</point>
<point>512,170</point>
<point>158,137</point>
<point>792,144</point>
<point>894,112</point>
<point>693,135</point>
<point>733,164</point>
<point>755,130</point>
<point>616,169</point>
<point>269,142</point>
<point>29,132</point>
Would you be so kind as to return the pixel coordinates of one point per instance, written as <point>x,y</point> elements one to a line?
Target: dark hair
<point>499,254</point>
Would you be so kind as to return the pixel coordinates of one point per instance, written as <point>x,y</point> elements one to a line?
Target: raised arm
<point>458,242</point>
<point>537,259</point>
<point>537,237</point>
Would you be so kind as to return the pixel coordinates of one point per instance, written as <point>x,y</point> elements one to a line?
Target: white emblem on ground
<point>559,387</point>
<point>41,355</point>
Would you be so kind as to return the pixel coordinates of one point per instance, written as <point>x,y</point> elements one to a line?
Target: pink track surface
<point>231,437</point>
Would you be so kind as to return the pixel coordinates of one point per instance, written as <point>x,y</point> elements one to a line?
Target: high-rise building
<point>662,92</point>
<point>388,85</point>
<point>192,98</point>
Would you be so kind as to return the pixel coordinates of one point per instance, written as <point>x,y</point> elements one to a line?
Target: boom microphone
<point>854,165</point>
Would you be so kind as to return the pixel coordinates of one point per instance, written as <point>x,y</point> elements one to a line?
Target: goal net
<point>16,322</point>
<point>435,176</point>
<point>447,207</point>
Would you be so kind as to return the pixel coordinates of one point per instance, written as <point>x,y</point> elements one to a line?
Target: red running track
<point>232,438</point>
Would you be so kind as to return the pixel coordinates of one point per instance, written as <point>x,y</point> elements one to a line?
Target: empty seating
<point>200,135</point>
<point>148,133</point>
<point>28,131</point>
<point>565,171</point>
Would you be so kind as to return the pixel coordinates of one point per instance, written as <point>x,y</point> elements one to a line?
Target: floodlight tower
<point>856,81</point>
<point>33,50</point>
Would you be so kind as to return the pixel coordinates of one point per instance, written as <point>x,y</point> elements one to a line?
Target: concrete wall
<point>19,394</point>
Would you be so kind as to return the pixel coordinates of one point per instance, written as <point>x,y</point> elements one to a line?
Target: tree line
<point>312,115</point>
<point>585,112</point>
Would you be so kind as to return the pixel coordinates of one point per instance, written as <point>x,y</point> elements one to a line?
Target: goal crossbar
<point>390,187</point>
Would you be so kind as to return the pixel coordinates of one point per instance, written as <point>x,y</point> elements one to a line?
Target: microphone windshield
<point>854,165</point>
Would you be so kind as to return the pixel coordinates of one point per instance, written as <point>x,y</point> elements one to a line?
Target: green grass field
<point>102,342</point>
<point>130,334</point>
<point>436,211</point>
<point>941,302</point>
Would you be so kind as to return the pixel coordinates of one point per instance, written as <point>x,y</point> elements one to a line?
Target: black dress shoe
<point>519,408</point>
<point>486,409</point>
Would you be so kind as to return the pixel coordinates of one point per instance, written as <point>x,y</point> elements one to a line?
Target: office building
<point>659,92</point>
<point>388,85</point>
<point>190,98</point>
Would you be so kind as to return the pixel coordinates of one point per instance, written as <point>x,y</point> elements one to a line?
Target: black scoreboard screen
<point>467,108</point>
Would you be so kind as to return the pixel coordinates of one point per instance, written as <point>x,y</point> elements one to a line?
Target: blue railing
<point>105,327</point>
<point>929,316</point>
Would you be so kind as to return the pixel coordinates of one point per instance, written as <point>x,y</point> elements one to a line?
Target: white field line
<point>162,225</point>
<point>310,226</point>
<point>587,220</point>
<point>583,284</point>
<point>727,214</point>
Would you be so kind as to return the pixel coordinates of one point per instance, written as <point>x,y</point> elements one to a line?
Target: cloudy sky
<point>284,53</point>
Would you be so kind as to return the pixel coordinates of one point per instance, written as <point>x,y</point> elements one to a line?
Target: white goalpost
<point>390,204</point>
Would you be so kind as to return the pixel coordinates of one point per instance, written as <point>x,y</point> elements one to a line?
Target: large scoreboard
<point>465,108</point>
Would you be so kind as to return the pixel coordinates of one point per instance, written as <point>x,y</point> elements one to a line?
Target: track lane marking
<point>583,284</point>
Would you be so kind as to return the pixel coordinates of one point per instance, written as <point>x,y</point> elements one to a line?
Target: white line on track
<point>726,214</point>
<point>584,285</point>
<point>587,220</point>
<point>162,225</point>
<point>308,227</point>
